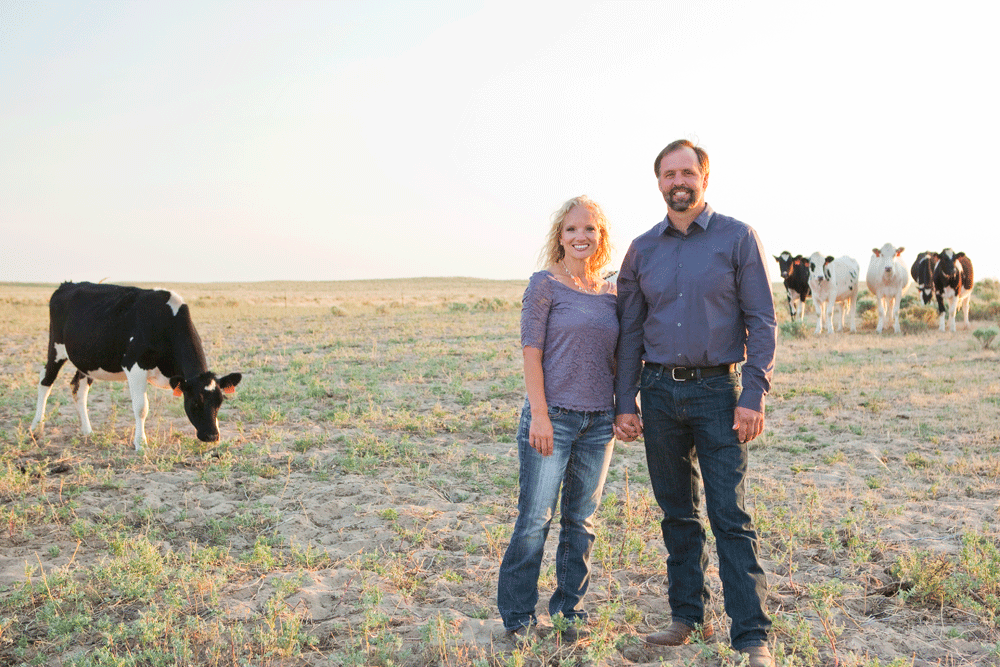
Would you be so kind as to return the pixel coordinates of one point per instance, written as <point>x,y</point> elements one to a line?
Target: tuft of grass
<point>986,336</point>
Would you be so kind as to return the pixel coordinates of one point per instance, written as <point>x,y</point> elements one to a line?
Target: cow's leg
<point>136,378</point>
<point>953,313</point>
<point>80,392</point>
<point>880,302</point>
<point>851,304</point>
<point>820,307</point>
<point>965,309</point>
<point>830,305</point>
<point>796,304</point>
<point>896,301</point>
<point>57,357</point>
<point>38,423</point>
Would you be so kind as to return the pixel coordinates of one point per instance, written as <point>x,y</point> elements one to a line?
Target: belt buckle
<point>673,374</point>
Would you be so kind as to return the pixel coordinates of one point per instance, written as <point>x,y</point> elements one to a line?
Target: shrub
<point>979,310</point>
<point>794,329</point>
<point>988,289</point>
<point>491,305</point>
<point>986,335</point>
<point>915,319</point>
<point>865,305</point>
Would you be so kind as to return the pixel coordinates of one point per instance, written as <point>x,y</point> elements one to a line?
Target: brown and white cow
<point>113,332</point>
<point>953,282</point>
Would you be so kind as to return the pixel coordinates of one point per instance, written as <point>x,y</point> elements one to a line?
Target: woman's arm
<point>540,433</point>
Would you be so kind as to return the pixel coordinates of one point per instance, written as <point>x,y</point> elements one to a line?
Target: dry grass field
<point>356,511</point>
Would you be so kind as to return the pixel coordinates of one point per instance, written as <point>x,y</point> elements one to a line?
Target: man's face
<point>681,181</point>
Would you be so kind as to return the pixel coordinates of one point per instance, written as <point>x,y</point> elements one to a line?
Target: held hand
<point>540,434</point>
<point>628,427</point>
<point>748,424</point>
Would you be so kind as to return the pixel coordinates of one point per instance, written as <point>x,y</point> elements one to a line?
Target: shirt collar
<point>702,220</point>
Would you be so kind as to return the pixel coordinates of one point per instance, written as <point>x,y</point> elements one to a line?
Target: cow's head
<point>884,258</point>
<point>203,396</point>
<point>784,263</point>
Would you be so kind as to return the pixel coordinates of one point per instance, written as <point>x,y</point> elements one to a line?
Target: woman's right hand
<point>540,434</point>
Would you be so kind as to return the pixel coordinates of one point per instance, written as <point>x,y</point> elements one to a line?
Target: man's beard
<point>683,205</point>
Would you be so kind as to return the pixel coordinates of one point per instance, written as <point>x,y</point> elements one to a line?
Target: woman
<point>569,331</point>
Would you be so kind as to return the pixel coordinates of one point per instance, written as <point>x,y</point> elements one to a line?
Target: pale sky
<point>193,141</point>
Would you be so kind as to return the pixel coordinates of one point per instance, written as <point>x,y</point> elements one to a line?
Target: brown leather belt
<point>685,373</point>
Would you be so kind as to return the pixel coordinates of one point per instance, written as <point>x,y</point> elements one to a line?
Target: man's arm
<point>631,317</point>
<point>757,307</point>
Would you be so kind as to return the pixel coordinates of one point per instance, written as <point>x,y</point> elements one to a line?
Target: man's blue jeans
<point>582,446</point>
<point>687,426</point>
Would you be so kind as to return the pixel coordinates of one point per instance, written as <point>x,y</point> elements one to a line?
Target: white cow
<point>887,278</point>
<point>834,281</point>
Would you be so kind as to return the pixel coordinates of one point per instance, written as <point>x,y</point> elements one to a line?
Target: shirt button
<point>678,324</point>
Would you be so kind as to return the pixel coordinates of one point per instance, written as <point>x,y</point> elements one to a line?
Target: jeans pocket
<point>723,384</point>
<point>647,377</point>
<point>525,424</point>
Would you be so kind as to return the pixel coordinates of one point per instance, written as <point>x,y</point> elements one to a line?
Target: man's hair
<point>677,145</point>
<point>553,253</point>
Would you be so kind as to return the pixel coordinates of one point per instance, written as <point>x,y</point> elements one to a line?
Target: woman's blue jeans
<point>582,446</point>
<point>688,426</point>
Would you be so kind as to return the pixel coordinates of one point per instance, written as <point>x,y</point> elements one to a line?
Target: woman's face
<point>580,236</point>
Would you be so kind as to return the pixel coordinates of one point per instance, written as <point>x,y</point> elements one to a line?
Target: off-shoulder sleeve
<point>535,308</point>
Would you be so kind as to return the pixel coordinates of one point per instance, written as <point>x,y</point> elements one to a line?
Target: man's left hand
<point>748,424</point>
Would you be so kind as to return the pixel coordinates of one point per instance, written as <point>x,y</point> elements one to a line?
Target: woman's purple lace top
<point>577,334</point>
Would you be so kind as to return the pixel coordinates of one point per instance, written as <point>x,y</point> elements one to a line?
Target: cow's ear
<point>229,382</point>
<point>961,254</point>
<point>900,252</point>
<point>175,384</point>
<point>828,260</point>
<point>877,252</point>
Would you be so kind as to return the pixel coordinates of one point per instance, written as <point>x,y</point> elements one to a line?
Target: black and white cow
<point>795,271</point>
<point>834,281</point>
<point>953,281</point>
<point>922,273</point>
<point>112,332</point>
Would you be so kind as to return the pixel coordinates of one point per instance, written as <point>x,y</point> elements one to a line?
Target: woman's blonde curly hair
<point>553,253</point>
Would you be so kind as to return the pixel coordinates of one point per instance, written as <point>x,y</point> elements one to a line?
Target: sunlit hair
<point>677,145</point>
<point>553,252</point>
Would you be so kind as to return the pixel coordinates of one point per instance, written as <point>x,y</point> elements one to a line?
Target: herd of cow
<point>140,336</point>
<point>945,276</point>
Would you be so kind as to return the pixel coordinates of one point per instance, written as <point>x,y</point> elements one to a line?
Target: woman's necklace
<point>584,287</point>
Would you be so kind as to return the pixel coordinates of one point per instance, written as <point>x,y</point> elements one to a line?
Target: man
<point>694,299</point>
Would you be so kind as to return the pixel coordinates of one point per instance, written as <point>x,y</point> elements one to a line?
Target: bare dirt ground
<point>360,503</point>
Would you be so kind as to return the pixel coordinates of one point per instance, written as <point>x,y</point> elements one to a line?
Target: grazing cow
<point>795,271</point>
<point>834,281</point>
<point>887,278</point>
<point>922,272</point>
<point>953,281</point>
<point>111,332</point>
